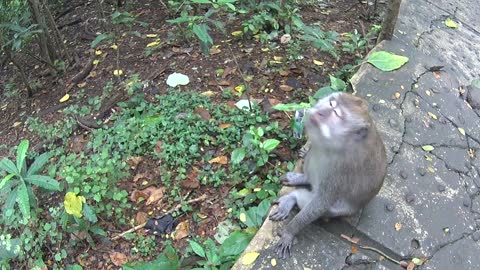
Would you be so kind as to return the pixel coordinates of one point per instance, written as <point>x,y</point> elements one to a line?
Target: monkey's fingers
<point>279,214</point>
<point>283,248</point>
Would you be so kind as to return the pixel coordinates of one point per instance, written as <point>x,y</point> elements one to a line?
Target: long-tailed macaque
<point>343,169</point>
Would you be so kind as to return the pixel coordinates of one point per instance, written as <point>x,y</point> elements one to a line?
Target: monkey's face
<point>337,118</point>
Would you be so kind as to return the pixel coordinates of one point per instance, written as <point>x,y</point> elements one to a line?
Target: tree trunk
<point>388,25</point>
<point>46,48</point>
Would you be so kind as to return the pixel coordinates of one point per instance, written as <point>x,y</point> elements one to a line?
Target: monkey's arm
<point>294,179</point>
<point>311,212</point>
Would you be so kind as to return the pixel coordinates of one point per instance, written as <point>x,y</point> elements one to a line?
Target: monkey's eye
<point>333,103</point>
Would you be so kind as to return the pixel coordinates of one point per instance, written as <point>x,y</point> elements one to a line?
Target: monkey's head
<point>338,119</point>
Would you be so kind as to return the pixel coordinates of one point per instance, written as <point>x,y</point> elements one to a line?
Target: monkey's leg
<point>294,179</point>
<point>341,209</point>
<point>312,211</point>
<point>288,201</point>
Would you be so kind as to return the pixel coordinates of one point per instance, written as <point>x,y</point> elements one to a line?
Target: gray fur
<point>345,167</point>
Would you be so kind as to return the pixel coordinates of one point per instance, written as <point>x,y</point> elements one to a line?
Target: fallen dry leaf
<point>411,266</point>
<point>437,74</point>
<point>203,113</point>
<point>182,230</point>
<point>134,161</point>
<point>191,182</point>
<point>224,126</point>
<point>249,257</point>
<point>215,50</point>
<point>223,83</point>
<point>141,176</point>
<point>137,195</point>
<point>398,226</point>
<point>286,88</point>
<point>155,194</point>
<point>118,259</point>
<point>283,73</point>
<point>141,217</point>
<point>221,160</point>
<point>158,147</point>
<point>228,71</point>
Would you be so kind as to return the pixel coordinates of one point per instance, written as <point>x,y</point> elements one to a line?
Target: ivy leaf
<point>235,243</point>
<point>197,249</point>
<point>270,144</point>
<point>386,61</point>
<point>238,155</point>
<point>337,84</point>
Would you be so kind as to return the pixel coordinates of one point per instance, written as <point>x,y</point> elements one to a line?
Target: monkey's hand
<point>285,205</point>
<point>294,179</point>
<point>282,248</point>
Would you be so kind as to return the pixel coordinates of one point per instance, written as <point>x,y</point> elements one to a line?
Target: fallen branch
<point>350,240</point>
<point>82,74</point>
<point>178,206</point>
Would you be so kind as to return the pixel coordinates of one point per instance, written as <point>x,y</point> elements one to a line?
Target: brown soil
<point>233,54</point>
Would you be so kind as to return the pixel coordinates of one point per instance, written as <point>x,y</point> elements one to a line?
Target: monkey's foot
<point>283,247</point>
<point>285,205</point>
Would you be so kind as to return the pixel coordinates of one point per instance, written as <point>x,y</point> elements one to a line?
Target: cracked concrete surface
<point>429,205</point>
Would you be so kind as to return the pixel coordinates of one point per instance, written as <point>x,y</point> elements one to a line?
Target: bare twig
<point>178,206</point>
<point>349,239</point>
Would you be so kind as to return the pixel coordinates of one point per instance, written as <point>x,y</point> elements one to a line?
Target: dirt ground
<point>236,55</point>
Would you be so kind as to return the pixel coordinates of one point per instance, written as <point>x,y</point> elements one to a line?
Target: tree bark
<point>44,42</point>
<point>388,25</point>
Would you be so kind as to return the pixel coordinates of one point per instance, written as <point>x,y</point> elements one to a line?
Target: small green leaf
<point>450,23</point>
<point>8,166</point>
<point>427,148</point>
<point>89,213</point>
<point>323,92</point>
<point>21,154</point>
<point>44,181</point>
<point>386,61</point>
<point>23,201</point>
<point>197,249</point>
<point>235,243</point>
<point>337,84</point>
<point>98,39</point>
<point>39,162</point>
<point>237,155</point>
<point>291,106</point>
<point>5,180</point>
<point>270,144</point>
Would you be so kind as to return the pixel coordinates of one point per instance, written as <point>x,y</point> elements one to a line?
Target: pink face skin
<point>325,115</point>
